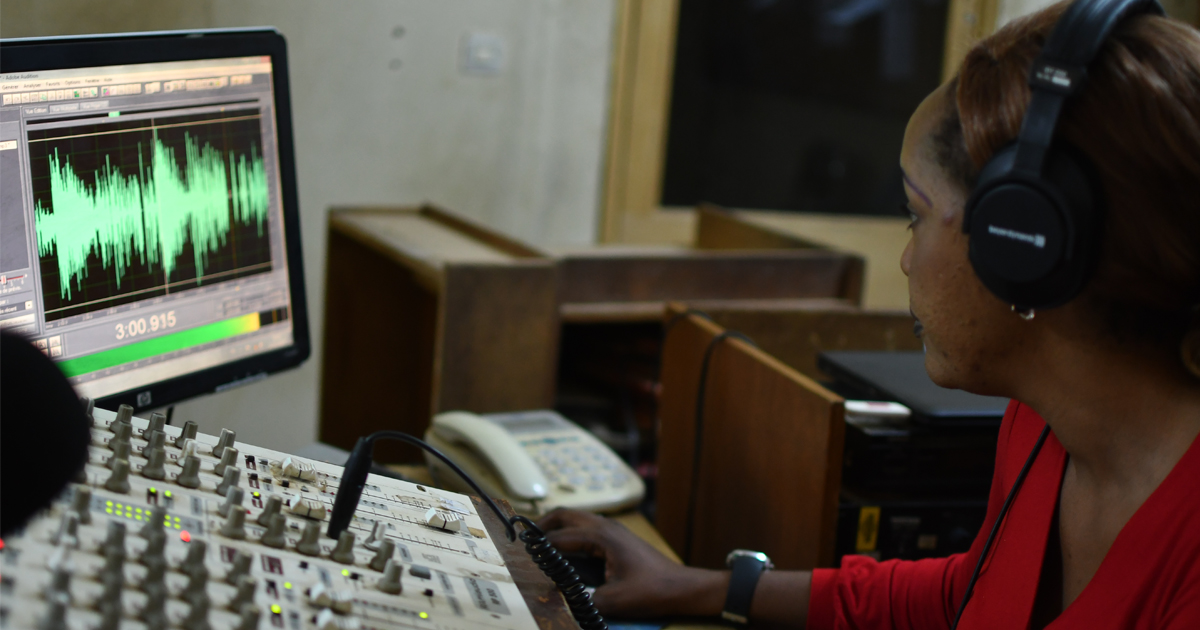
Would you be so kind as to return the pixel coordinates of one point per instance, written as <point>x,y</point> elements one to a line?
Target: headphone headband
<point>1061,70</point>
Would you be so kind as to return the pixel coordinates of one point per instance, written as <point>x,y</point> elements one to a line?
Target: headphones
<point>1035,216</point>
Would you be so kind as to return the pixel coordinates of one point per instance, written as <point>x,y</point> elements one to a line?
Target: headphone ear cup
<point>1032,240</point>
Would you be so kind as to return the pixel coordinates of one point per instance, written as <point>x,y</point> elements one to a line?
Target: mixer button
<point>309,544</point>
<point>417,570</point>
<point>189,477</point>
<point>274,536</point>
<point>274,505</point>
<point>390,582</point>
<point>383,555</point>
<point>344,551</point>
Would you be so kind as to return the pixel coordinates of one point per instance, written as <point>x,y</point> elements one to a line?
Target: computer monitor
<point>149,227</point>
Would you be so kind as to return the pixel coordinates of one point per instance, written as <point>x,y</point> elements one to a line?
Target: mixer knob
<point>246,586</point>
<point>154,523</point>
<point>383,555</point>
<point>124,415</point>
<point>188,433</point>
<point>114,539</point>
<point>114,565</point>
<point>376,537</point>
<point>121,450</point>
<point>390,582</point>
<point>228,460</point>
<point>68,531</point>
<point>154,613</point>
<point>110,614</point>
<point>197,618</point>
<point>196,590</point>
<point>154,468</point>
<point>240,568</point>
<point>309,507</point>
<point>60,584</point>
<point>114,585</point>
<point>344,551</point>
<point>89,409</point>
<point>274,536</point>
<point>248,617</point>
<point>81,504</point>
<point>158,420</point>
<point>235,524</point>
<point>274,505</point>
<point>229,480</point>
<point>189,477</point>
<point>118,481</point>
<point>232,500</point>
<point>153,554</point>
<point>193,562</point>
<point>56,614</point>
<point>121,434</point>
<point>225,441</point>
<point>309,544</point>
<point>154,439</point>
<point>190,448</point>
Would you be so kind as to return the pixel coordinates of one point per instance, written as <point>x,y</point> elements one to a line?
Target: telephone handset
<point>537,460</point>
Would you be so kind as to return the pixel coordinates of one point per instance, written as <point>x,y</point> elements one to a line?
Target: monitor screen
<point>145,243</point>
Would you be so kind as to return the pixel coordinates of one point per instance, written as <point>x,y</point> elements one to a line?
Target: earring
<point>1189,352</point>
<point>1025,315</point>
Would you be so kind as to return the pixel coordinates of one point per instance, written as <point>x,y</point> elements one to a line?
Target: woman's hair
<point>1138,122</point>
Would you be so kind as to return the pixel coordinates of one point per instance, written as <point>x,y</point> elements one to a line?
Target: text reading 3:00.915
<point>143,325</point>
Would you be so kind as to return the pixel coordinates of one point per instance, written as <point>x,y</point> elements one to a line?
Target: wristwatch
<point>746,566</point>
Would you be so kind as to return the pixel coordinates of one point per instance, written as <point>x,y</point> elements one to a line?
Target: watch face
<point>741,553</point>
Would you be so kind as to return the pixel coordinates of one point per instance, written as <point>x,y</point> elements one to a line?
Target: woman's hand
<point>638,580</point>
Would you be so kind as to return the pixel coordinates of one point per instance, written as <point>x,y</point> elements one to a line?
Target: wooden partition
<point>770,456</point>
<point>428,312</point>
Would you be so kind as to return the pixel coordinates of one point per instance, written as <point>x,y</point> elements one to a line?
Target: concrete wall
<point>384,114</point>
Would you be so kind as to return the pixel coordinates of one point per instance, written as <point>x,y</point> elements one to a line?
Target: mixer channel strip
<point>169,528</point>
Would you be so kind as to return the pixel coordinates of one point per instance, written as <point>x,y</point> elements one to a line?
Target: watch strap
<point>746,570</point>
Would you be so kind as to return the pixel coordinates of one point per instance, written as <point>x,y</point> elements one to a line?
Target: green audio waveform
<point>149,214</point>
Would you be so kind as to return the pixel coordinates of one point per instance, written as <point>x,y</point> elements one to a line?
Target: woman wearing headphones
<point>1094,515</point>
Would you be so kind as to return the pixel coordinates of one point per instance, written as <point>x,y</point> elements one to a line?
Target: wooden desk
<point>632,520</point>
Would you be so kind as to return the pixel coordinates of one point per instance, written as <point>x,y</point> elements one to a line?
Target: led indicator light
<point>423,615</point>
<point>108,510</point>
<point>287,585</point>
<point>185,536</point>
<point>168,494</point>
<point>108,503</point>
<point>346,572</point>
<point>276,609</point>
<point>153,490</point>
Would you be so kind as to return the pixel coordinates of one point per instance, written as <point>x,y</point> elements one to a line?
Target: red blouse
<point>1149,579</point>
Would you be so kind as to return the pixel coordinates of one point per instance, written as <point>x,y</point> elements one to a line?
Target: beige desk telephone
<point>537,460</point>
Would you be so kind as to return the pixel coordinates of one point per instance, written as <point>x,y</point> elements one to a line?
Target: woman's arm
<point>641,582</point>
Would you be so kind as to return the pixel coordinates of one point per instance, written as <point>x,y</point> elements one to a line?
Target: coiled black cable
<point>551,562</point>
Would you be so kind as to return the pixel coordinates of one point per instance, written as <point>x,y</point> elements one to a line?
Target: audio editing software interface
<point>141,225</point>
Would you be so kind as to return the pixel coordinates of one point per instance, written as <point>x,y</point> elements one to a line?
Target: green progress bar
<point>161,345</point>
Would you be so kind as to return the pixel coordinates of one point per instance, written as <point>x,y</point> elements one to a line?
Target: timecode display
<point>142,325</point>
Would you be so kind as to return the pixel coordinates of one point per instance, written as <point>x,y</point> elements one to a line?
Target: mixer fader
<point>169,528</point>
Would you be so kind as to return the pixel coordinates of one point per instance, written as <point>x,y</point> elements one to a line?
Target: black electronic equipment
<point>151,231</point>
<point>907,529</point>
<point>1035,216</point>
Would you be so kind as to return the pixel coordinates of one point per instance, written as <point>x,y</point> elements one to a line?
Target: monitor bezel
<point>86,51</point>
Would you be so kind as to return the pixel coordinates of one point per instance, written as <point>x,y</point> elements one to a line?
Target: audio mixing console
<point>168,528</point>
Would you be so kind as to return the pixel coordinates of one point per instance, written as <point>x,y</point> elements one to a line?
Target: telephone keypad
<point>572,466</point>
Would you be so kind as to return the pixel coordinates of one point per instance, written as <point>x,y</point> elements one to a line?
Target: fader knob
<point>188,433</point>
<point>193,562</point>
<point>197,618</point>
<point>273,507</point>
<point>114,539</point>
<point>118,481</point>
<point>382,555</point>
<point>155,460</point>
<point>228,460</point>
<point>233,502</point>
<point>68,531</point>
<point>189,477</point>
<point>274,536</point>
<point>246,586</point>
<point>390,582</point>
<point>81,504</point>
<point>158,420</point>
<point>344,551</point>
<point>248,617</point>
<point>235,524</point>
<point>225,441</point>
<point>240,568</point>
<point>124,415</point>
<point>121,450</point>
<point>229,480</point>
<point>56,614</point>
<point>309,544</point>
